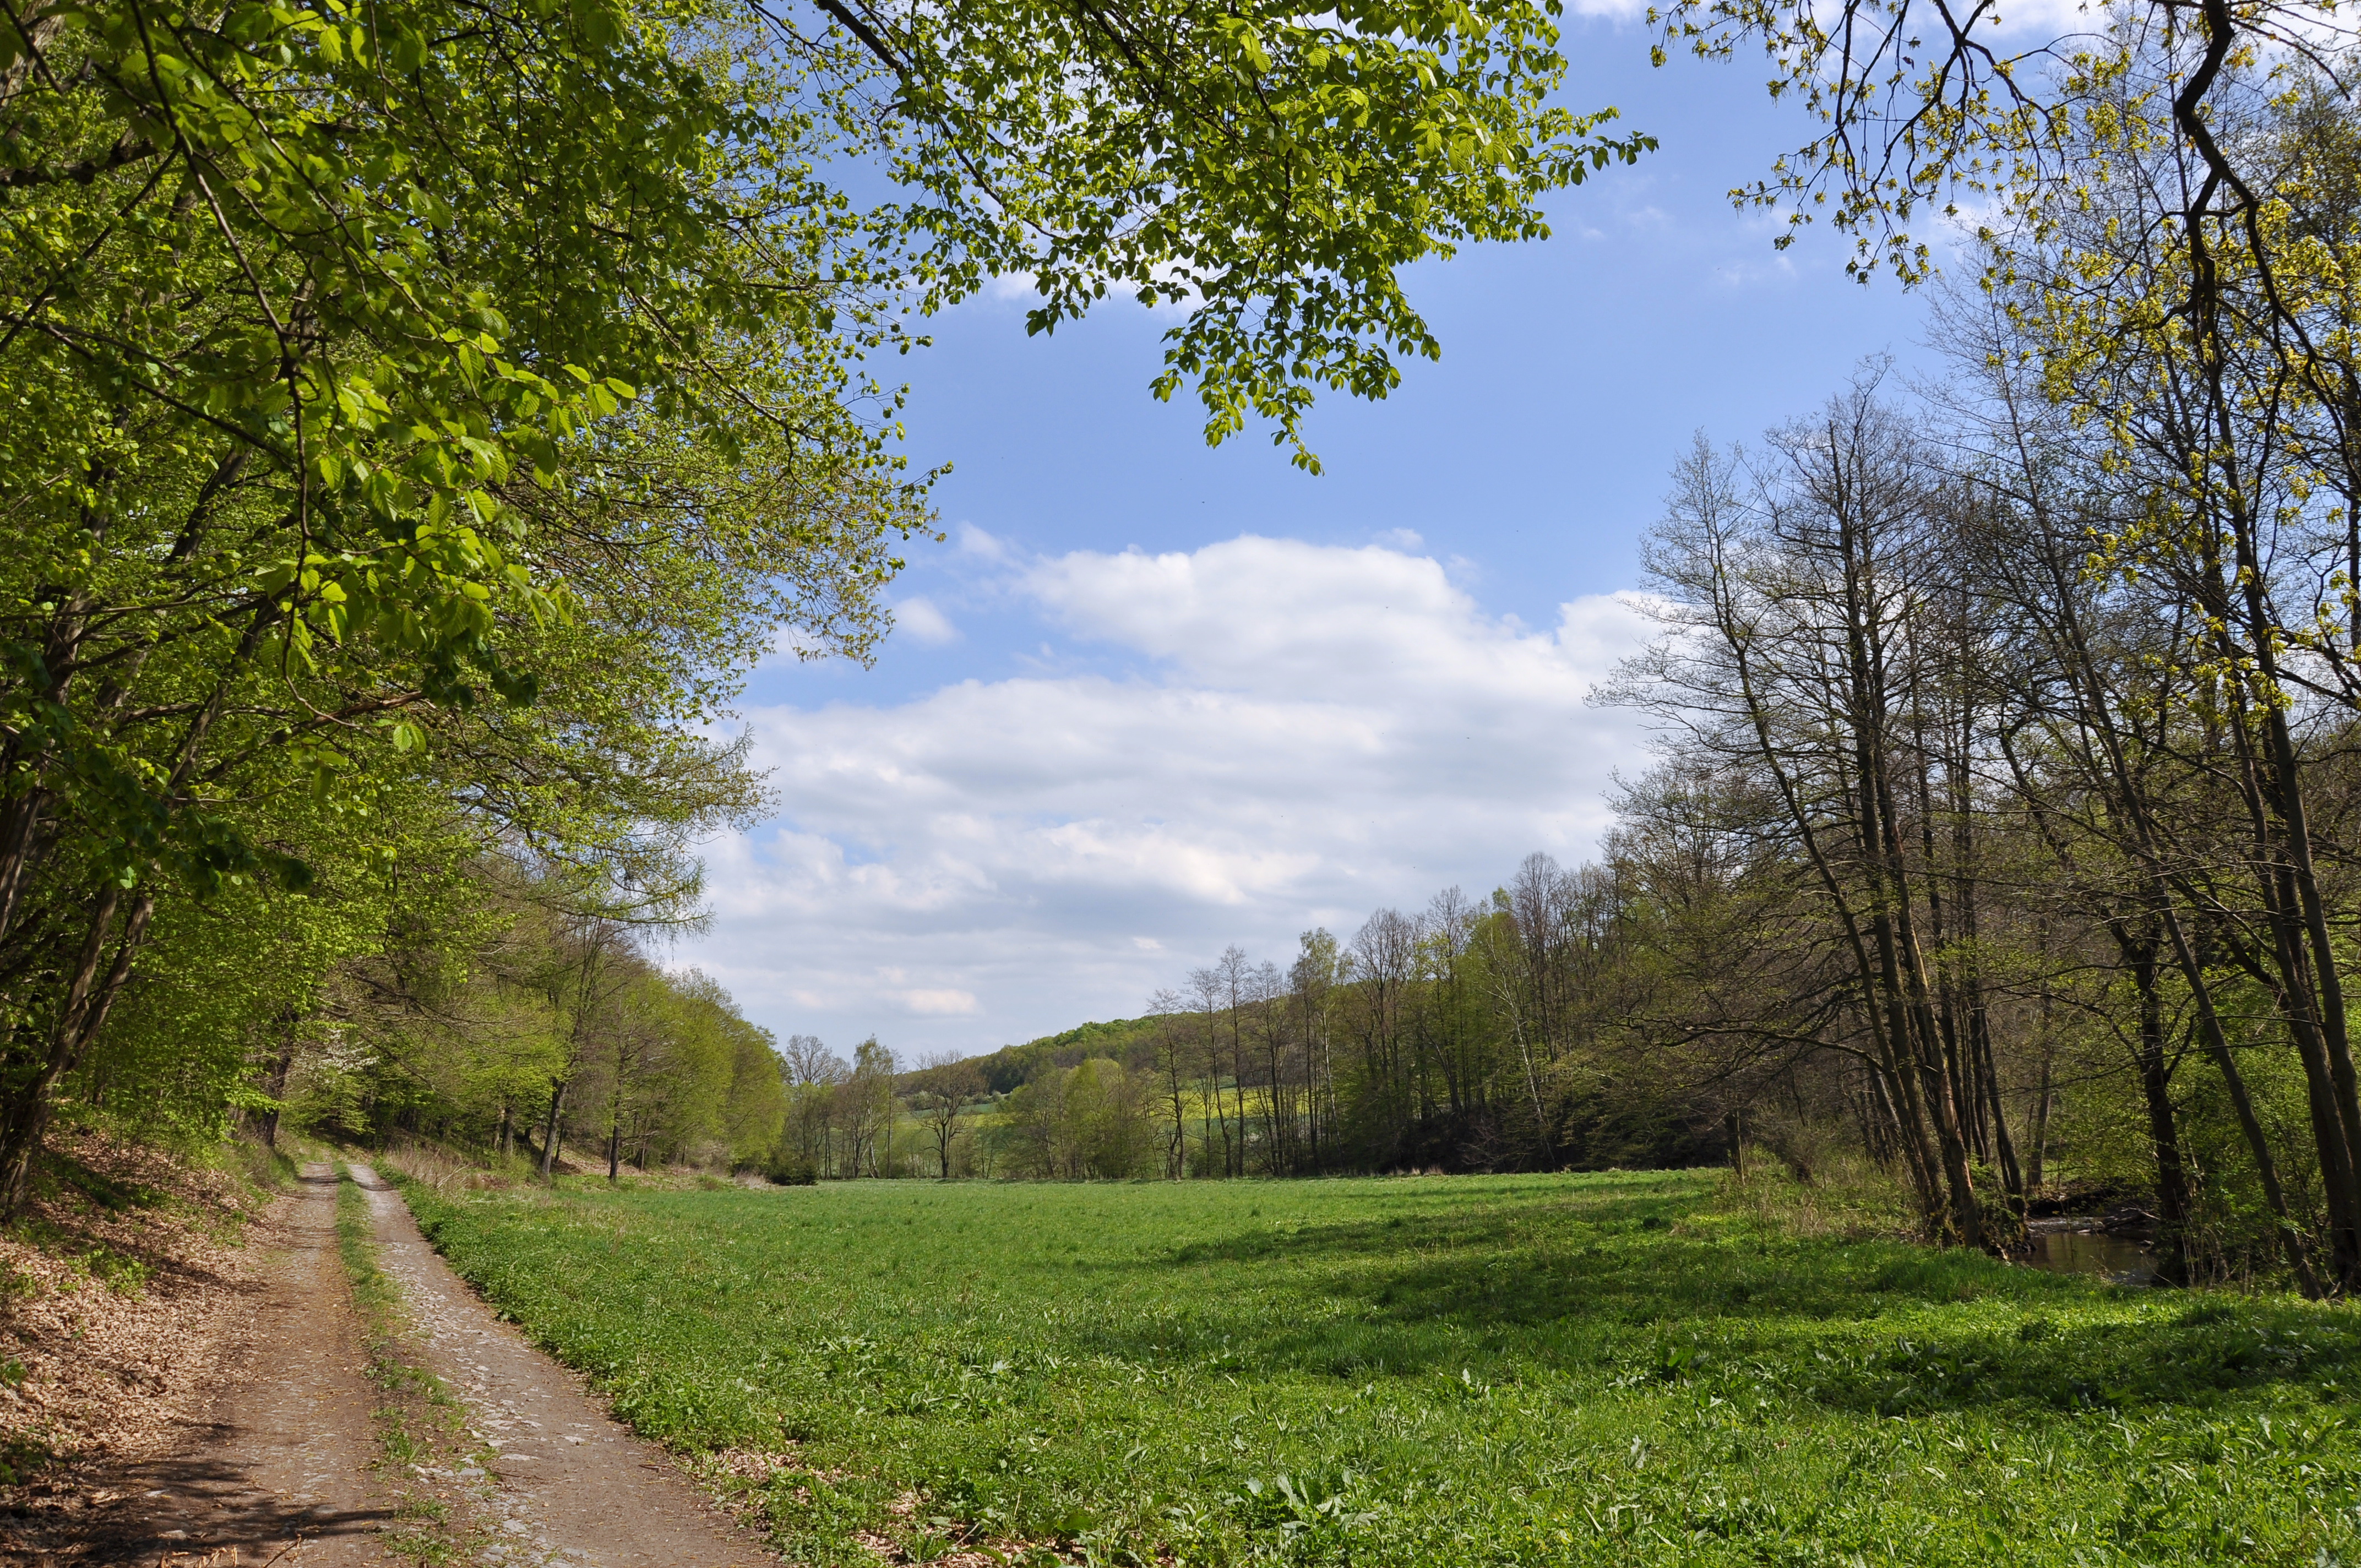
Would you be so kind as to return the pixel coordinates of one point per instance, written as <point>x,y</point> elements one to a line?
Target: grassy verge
<point>453,1172</point>
<point>421,1427</point>
<point>1613,1369</point>
<point>269,1171</point>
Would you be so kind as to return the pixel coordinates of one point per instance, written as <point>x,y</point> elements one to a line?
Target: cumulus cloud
<point>1236,744</point>
<point>975,541</point>
<point>919,617</point>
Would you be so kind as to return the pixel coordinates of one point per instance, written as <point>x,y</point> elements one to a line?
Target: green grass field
<point>1593,1369</point>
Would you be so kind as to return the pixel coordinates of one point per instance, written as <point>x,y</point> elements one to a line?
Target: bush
<point>791,1171</point>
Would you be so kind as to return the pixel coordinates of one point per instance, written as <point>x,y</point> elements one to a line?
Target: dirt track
<point>569,1484</point>
<point>288,1450</point>
<point>288,1467</point>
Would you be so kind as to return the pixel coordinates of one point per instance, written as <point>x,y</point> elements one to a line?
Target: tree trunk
<point>285,1063</point>
<point>24,1116</point>
<point>2172,1193</point>
<point>549,1133</point>
<point>2012,1174</point>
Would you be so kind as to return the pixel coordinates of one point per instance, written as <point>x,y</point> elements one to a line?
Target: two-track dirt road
<point>288,1467</point>
<point>569,1484</point>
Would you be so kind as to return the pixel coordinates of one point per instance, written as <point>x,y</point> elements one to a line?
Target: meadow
<point>1610,1368</point>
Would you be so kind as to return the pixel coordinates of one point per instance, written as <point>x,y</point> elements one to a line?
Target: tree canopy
<point>420,413</point>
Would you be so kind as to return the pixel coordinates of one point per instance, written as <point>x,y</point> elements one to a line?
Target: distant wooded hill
<point>1125,1040</point>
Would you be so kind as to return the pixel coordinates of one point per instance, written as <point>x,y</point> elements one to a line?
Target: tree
<point>869,1108</point>
<point>1106,1116</point>
<point>1171,1066</point>
<point>1311,984</point>
<point>951,1084</point>
<point>814,1074</point>
<point>1270,169</point>
<point>755,1112</point>
<point>1792,659</point>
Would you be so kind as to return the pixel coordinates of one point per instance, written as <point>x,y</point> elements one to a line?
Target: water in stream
<point>2116,1259</point>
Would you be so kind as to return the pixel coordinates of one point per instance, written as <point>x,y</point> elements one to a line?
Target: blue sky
<point>1148,699</point>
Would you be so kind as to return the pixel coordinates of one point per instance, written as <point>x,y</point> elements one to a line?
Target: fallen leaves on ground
<point>117,1286</point>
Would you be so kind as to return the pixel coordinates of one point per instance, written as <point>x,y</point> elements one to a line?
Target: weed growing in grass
<point>1607,1369</point>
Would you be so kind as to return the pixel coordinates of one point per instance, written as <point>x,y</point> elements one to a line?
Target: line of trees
<point>842,1117</point>
<point>486,1013</point>
<point>1473,1034</point>
<point>2006,811</point>
<point>2033,711</point>
<point>1447,1038</point>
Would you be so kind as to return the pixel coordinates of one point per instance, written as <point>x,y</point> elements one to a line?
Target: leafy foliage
<point>428,402</point>
<point>1268,170</point>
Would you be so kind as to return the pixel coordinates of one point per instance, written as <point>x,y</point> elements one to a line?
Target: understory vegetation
<point>1614,1369</point>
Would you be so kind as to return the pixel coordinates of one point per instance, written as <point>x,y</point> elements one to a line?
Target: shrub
<point>791,1171</point>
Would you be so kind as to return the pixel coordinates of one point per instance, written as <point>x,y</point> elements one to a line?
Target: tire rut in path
<point>286,1451</point>
<point>573,1487</point>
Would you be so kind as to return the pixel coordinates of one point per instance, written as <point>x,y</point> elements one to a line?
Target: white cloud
<point>918,616</point>
<point>1276,735</point>
<point>947,1002</point>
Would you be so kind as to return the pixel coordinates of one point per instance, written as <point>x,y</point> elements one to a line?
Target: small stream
<point>2116,1259</point>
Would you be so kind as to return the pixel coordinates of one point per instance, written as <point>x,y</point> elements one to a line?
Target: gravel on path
<point>569,1487</point>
